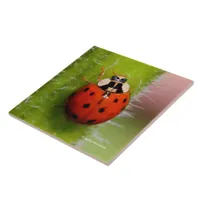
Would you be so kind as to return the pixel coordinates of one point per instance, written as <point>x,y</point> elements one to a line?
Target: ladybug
<point>97,103</point>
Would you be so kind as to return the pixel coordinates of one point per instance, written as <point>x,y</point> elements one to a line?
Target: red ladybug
<point>97,103</point>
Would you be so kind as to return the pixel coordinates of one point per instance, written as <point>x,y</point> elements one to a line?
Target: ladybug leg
<point>102,73</point>
<point>85,79</point>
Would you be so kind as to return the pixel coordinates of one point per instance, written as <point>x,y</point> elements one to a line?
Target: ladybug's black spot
<point>116,100</point>
<point>92,93</point>
<point>124,100</point>
<point>91,121</point>
<point>74,116</point>
<point>101,110</point>
<point>86,89</point>
<point>86,105</point>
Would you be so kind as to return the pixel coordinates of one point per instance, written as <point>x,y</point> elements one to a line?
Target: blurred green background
<point>44,108</point>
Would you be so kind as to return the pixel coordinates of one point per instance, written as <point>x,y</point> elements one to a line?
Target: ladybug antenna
<point>102,73</point>
<point>123,75</point>
<point>114,73</point>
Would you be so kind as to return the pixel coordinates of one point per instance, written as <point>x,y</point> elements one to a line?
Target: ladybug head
<point>119,79</point>
<point>115,84</point>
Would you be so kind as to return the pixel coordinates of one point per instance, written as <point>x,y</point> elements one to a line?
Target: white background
<point>39,38</point>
